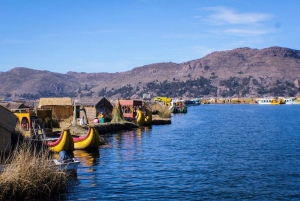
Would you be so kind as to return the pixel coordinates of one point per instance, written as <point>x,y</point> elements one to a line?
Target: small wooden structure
<point>93,110</point>
<point>87,110</point>
<point>129,107</point>
<point>8,123</point>
<point>62,108</point>
<point>33,121</point>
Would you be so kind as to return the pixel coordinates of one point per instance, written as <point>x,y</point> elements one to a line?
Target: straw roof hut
<point>221,100</point>
<point>104,106</point>
<point>62,108</point>
<point>93,110</point>
<point>234,100</point>
<point>8,123</point>
<point>13,105</point>
<point>212,100</point>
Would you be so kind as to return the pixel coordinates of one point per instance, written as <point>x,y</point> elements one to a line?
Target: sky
<point>118,35</point>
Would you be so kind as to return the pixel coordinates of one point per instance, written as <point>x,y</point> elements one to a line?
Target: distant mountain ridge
<point>241,72</point>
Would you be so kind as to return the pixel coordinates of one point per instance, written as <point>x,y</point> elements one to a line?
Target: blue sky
<point>118,35</point>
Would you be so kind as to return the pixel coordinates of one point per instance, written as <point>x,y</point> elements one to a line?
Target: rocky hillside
<point>241,72</point>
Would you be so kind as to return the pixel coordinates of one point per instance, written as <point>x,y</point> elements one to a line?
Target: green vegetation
<point>195,87</point>
<point>235,86</point>
<point>278,89</point>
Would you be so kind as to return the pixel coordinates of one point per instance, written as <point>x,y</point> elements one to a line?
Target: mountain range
<point>241,72</point>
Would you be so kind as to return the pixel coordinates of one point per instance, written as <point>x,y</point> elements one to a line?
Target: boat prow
<point>64,142</point>
<point>90,140</point>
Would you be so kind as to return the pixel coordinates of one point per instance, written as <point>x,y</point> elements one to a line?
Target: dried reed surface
<point>29,175</point>
<point>117,114</point>
<point>162,110</point>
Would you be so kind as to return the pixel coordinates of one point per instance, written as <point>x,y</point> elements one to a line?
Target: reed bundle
<point>30,174</point>
<point>117,114</point>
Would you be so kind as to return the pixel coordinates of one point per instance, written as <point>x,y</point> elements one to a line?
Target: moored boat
<point>65,163</point>
<point>270,101</point>
<point>192,102</point>
<point>90,140</point>
<point>148,117</point>
<point>291,101</point>
<point>64,142</point>
<point>178,106</point>
<point>68,166</point>
<point>140,118</point>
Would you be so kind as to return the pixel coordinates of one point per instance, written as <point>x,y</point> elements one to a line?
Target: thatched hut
<point>13,105</point>
<point>234,100</point>
<point>104,106</point>
<point>93,110</point>
<point>212,100</point>
<point>62,108</point>
<point>8,123</point>
<point>221,100</point>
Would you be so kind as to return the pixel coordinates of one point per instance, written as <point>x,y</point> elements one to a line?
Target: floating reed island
<point>160,115</point>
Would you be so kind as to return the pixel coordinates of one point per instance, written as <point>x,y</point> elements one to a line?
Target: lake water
<point>214,152</point>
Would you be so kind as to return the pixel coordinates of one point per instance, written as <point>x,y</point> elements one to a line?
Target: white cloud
<point>223,15</point>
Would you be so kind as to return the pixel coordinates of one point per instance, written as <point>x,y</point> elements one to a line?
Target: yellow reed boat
<point>63,143</point>
<point>90,140</point>
<point>148,118</point>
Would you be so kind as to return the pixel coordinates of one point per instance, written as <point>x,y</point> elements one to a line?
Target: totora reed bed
<point>163,111</point>
<point>29,174</point>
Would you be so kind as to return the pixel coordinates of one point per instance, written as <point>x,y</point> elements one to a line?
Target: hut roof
<point>7,119</point>
<point>12,105</point>
<point>55,101</point>
<point>105,105</point>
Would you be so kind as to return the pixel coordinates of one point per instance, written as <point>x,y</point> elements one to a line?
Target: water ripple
<point>214,152</point>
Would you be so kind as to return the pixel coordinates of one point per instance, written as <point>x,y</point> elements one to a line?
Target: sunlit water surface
<point>214,152</point>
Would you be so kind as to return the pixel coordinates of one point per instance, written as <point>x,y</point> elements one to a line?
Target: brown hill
<point>237,72</point>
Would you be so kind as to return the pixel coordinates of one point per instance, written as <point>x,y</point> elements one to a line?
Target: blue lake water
<point>214,152</point>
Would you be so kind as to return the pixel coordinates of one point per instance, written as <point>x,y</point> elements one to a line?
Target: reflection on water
<point>87,158</point>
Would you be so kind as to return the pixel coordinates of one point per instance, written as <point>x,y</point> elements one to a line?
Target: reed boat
<point>148,117</point>
<point>90,140</point>
<point>140,118</point>
<point>63,143</point>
